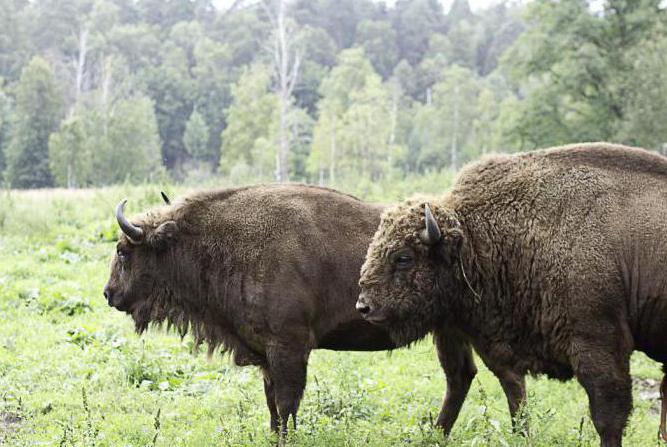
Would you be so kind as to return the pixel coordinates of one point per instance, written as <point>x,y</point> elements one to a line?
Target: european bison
<point>267,273</point>
<point>551,262</point>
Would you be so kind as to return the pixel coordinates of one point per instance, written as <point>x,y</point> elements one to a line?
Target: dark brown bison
<point>552,262</point>
<point>267,273</point>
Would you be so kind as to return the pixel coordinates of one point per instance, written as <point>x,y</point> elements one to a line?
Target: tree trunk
<point>71,182</point>
<point>106,80</point>
<point>286,62</point>
<point>282,173</point>
<point>455,130</point>
<point>80,65</point>
<point>332,153</point>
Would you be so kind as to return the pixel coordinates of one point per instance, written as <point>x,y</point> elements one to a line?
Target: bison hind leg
<point>270,392</point>
<point>604,372</point>
<point>287,368</point>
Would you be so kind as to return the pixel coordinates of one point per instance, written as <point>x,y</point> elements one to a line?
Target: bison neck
<point>198,302</point>
<point>504,314</point>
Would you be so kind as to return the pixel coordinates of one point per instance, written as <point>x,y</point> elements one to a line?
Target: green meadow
<point>74,373</point>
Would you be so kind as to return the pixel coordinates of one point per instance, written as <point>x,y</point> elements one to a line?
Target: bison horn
<point>165,198</point>
<point>431,234</point>
<point>133,232</point>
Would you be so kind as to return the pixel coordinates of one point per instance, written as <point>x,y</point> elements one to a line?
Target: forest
<point>333,92</point>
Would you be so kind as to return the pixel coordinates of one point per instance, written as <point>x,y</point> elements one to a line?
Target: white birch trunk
<point>286,63</point>
<point>455,130</point>
<point>332,153</point>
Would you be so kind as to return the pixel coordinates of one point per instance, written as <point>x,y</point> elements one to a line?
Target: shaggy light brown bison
<point>552,262</point>
<point>267,273</point>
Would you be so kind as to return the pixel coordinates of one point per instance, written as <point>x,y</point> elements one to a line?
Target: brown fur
<point>267,273</point>
<point>566,248</point>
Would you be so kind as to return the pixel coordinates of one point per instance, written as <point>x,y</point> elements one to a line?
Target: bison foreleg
<point>456,359</point>
<point>514,386</point>
<point>287,368</point>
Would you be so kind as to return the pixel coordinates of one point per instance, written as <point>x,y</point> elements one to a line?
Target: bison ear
<point>164,235</point>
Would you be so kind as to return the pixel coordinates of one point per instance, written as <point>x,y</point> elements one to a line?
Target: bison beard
<point>410,324</point>
<point>567,248</point>
<point>411,330</point>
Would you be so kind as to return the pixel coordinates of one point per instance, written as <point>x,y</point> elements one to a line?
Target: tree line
<point>96,92</point>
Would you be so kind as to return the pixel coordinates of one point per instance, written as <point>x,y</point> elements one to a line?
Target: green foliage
<point>38,109</point>
<point>249,138</point>
<point>300,126</point>
<point>429,71</point>
<point>319,53</point>
<point>195,137</point>
<point>123,135</point>
<point>170,87</point>
<point>647,94</point>
<point>352,135</point>
<point>339,18</point>
<point>459,123</point>
<point>69,155</point>
<point>382,90</point>
<point>576,68</point>
<point>415,21</point>
<point>134,145</point>
<point>5,125</point>
<point>378,40</point>
<point>212,78</point>
<point>14,45</point>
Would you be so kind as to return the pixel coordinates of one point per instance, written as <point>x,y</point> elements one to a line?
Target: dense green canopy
<point>103,91</point>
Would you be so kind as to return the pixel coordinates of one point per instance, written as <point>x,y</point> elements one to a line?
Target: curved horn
<point>431,234</point>
<point>135,233</point>
<point>165,198</point>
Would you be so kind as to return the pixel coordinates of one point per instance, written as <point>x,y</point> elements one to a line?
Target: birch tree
<point>355,131</point>
<point>286,58</point>
<point>247,141</point>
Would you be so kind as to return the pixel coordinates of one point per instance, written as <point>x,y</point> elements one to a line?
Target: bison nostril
<point>107,295</point>
<point>362,308</point>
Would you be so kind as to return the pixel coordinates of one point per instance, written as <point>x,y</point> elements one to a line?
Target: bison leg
<point>663,408</point>
<point>287,368</point>
<point>514,386</point>
<point>270,393</point>
<point>605,377</point>
<point>455,355</point>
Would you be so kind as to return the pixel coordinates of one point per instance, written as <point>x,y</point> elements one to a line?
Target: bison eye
<point>403,261</point>
<point>122,255</point>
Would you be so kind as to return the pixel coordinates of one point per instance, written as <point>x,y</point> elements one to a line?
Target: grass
<point>73,372</point>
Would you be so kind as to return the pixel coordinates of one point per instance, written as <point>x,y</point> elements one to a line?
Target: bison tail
<point>663,410</point>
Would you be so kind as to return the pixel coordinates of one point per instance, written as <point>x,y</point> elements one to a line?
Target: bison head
<point>410,263</point>
<point>141,261</point>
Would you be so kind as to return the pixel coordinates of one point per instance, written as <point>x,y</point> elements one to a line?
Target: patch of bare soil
<point>649,390</point>
<point>9,424</point>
